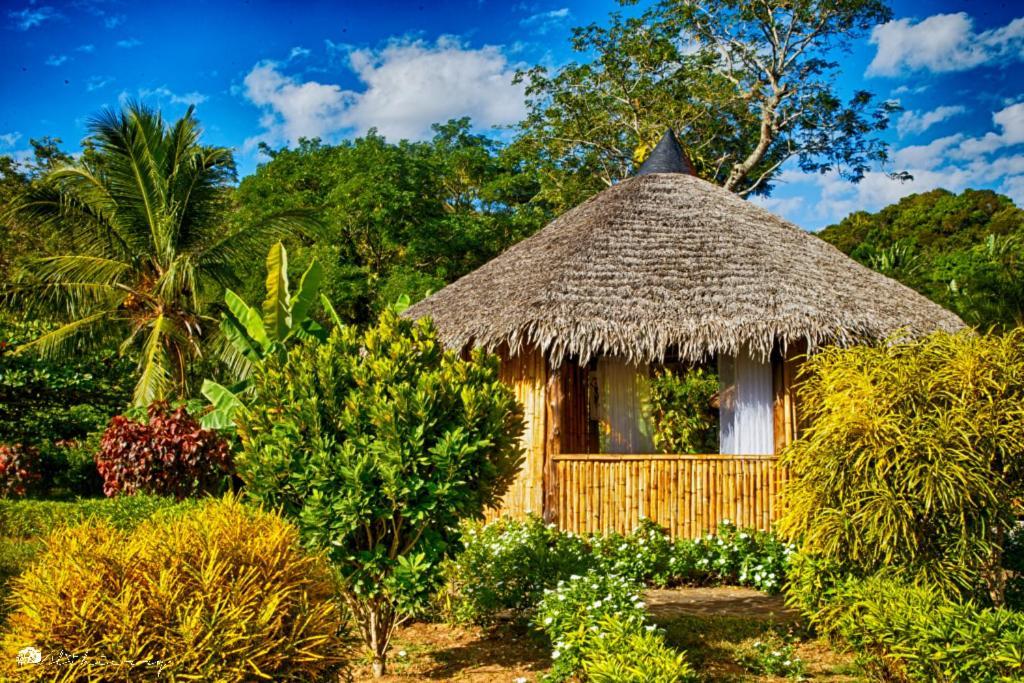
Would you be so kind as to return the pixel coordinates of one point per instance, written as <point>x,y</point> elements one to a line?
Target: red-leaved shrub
<point>19,470</point>
<point>168,455</point>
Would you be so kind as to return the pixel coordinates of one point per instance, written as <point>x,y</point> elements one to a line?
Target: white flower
<point>547,621</point>
<point>519,679</point>
<point>555,654</point>
<point>650,627</point>
<point>29,655</point>
<point>401,653</point>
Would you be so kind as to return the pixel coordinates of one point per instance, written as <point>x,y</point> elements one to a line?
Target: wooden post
<point>552,442</point>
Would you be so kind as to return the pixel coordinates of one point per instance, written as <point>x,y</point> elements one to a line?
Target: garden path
<point>722,601</point>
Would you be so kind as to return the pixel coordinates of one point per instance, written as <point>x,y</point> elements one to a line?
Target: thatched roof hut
<point>664,267</point>
<point>668,260</point>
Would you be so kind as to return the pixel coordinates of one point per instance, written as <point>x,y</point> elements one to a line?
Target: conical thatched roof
<point>667,260</point>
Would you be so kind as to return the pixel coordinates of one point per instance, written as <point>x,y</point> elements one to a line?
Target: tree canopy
<point>400,218</point>
<point>747,84</point>
<point>140,246</point>
<point>963,251</point>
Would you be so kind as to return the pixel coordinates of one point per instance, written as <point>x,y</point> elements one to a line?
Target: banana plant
<point>256,334</point>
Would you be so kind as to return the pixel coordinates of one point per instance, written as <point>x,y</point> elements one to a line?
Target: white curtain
<point>747,425</point>
<point>621,392</point>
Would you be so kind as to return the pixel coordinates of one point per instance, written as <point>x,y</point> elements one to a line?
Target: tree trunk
<point>378,629</point>
<point>995,576</point>
<point>378,667</point>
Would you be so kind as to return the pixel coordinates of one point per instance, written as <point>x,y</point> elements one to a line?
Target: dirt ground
<point>438,652</point>
<point>712,624</point>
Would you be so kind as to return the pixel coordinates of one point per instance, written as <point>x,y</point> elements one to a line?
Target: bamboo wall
<point>526,373</point>
<point>687,494</point>
<point>587,492</point>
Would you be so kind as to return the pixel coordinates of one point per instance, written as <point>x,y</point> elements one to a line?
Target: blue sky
<point>275,71</point>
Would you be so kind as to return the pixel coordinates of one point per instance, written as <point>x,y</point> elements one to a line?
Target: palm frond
<point>237,247</point>
<point>79,268</point>
<point>155,375</point>
<point>51,344</point>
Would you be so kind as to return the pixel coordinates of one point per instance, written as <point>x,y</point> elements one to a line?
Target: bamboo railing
<point>687,494</point>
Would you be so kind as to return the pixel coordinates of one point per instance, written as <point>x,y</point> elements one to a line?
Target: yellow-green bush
<point>912,460</point>
<point>221,593</point>
<point>910,633</point>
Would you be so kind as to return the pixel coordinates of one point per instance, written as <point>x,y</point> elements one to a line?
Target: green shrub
<point>811,582</point>
<point>505,566</point>
<point>914,633</point>
<point>644,555</point>
<point>623,653</point>
<point>598,626</point>
<point>912,458</point>
<point>679,406</point>
<point>744,557</point>
<point>378,444</point>
<point>45,400</point>
<point>221,593</point>
<point>69,468</point>
<point>571,612</point>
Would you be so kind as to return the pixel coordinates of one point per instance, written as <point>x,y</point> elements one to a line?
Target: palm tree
<point>142,219</point>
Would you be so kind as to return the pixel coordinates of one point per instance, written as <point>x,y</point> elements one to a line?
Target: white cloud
<point>164,93</point>
<point>913,121</point>
<point>30,17</point>
<point>113,21</point>
<point>927,156</point>
<point>56,60</point>
<point>780,205</point>
<point>298,52</point>
<point>88,47</point>
<point>941,43</point>
<point>94,83</point>
<point>952,162</point>
<point>543,22</point>
<point>128,43</point>
<point>1009,121</point>
<point>907,90</point>
<point>407,86</point>
<point>9,139</point>
<point>1013,187</point>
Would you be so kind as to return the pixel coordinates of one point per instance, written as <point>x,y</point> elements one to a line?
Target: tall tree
<point>748,85</point>
<point>400,218</point>
<point>140,220</point>
<point>18,241</point>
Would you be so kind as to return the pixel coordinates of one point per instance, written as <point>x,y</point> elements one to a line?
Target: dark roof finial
<point>667,157</point>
